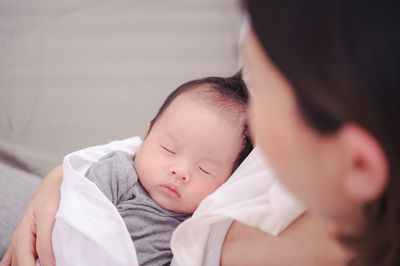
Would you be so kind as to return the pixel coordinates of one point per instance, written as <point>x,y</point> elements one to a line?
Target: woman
<point>325,76</point>
<point>330,69</point>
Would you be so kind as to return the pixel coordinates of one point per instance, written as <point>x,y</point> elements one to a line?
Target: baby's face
<point>188,154</point>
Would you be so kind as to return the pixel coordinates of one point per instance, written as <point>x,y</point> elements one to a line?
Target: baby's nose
<point>184,177</point>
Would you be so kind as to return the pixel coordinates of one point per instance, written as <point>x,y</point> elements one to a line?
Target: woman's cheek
<point>258,123</point>
<point>253,117</point>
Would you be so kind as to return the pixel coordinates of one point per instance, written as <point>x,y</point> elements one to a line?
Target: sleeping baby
<point>197,139</point>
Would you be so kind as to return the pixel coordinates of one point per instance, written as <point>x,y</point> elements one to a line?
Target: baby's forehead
<point>227,109</point>
<point>212,97</point>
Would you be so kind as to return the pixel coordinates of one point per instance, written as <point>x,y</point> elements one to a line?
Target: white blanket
<point>88,228</point>
<point>252,196</point>
<point>90,231</point>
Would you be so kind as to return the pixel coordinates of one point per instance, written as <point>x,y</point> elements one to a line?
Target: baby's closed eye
<point>169,150</point>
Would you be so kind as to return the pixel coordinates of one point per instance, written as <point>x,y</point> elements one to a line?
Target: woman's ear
<point>367,170</point>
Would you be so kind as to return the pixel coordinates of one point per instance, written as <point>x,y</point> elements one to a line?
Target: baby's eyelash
<point>204,171</point>
<point>168,150</point>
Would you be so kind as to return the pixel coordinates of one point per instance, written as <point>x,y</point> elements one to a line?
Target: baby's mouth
<point>171,190</point>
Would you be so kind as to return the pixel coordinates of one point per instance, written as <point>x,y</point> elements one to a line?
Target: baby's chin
<point>175,208</point>
<point>169,204</point>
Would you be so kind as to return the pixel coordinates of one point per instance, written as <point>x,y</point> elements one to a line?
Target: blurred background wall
<point>79,73</point>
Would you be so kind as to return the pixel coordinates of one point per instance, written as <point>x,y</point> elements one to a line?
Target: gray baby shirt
<point>149,225</point>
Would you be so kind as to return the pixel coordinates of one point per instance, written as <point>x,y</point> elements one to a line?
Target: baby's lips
<point>172,188</point>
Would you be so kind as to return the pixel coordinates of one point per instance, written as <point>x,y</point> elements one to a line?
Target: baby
<point>194,143</point>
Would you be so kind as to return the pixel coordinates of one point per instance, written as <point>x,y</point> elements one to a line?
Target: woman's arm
<point>307,241</point>
<point>33,234</point>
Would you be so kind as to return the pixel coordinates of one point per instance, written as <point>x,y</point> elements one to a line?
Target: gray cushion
<point>16,189</point>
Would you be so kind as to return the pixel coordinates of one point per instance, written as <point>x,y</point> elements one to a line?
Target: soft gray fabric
<point>149,224</point>
<point>16,190</point>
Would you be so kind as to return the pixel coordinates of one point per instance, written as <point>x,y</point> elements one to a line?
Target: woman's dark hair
<point>229,93</point>
<point>342,58</point>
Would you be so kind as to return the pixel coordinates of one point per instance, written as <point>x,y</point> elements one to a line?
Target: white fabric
<point>252,196</point>
<point>88,228</point>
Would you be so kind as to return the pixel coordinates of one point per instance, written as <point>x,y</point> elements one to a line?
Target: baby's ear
<point>367,169</point>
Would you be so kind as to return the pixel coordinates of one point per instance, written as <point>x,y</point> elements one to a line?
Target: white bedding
<point>89,230</point>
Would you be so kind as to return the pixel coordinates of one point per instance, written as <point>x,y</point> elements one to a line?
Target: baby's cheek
<point>203,193</point>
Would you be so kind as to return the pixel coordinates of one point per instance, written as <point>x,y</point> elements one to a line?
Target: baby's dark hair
<point>229,94</point>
